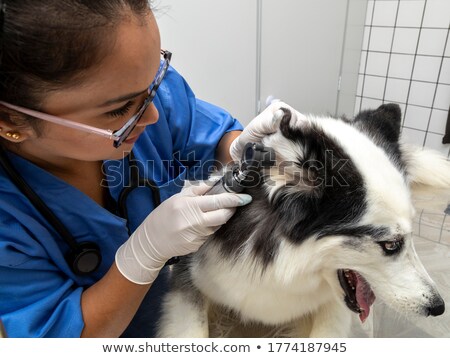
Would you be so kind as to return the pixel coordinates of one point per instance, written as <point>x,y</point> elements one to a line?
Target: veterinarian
<point>75,110</point>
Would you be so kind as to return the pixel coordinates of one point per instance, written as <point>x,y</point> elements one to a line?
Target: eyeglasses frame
<point>118,135</point>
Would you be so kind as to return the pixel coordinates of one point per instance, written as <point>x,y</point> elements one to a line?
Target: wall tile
<point>365,44</point>
<point>432,42</point>
<point>438,121</point>
<point>437,14</point>
<point>400,66</point>
<point>373,87</point>
<point>385,13</point>
<point>444,77</point>
<point>408,45</point>
<point>396,90</point>
<point>370,6</point>
<point>434,141</point>
<point>405,40</point>
<point>369,103</point>
<point>380,39</point>
<point>377,63</point>
<point>410,13</point>
<point>360,85</point>
<point>442,100</point>
<point>417,117</point>
<point>413,136</point>
<point>421,93</point>
<point>426,68</point>
<point>362,63</point>
<point>357,105</point>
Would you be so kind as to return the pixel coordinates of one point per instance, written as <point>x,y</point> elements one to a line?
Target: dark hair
<point>49,45</point>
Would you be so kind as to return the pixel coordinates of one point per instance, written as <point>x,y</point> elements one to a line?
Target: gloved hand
<point>177,227</point>
<point>265,123</point>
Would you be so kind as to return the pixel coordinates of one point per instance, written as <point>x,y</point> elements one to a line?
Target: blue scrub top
<point>39,294</point>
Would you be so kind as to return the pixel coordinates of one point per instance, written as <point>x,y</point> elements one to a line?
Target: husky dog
<point>328,230</point>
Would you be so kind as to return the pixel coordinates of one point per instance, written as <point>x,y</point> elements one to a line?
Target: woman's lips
<point>133,139</point>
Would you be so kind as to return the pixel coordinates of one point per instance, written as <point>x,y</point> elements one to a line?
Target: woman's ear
<point>13,133</point>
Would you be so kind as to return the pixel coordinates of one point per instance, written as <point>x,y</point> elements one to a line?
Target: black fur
<point>383,126</point>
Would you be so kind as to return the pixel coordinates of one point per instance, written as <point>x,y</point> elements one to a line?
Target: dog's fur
<point>334,212</point>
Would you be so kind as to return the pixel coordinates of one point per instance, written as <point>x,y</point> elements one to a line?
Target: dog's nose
<point>437,306</point>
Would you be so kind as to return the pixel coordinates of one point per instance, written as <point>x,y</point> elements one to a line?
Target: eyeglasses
<point>118,135</point>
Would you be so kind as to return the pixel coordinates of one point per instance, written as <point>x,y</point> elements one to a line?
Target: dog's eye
<point>391,247</point>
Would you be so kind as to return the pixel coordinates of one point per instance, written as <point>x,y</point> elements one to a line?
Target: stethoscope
<point>135,182</point>
<point>83,258</point>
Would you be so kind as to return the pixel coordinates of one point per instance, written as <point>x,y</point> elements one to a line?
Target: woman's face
<point>110,95</point>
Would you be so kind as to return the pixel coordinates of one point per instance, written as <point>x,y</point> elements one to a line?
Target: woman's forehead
<point>129,67</point>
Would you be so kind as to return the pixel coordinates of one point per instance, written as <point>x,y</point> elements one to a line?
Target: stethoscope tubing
<point>136,182</point>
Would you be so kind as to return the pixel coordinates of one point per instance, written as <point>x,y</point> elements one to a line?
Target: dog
<point>328,231</point>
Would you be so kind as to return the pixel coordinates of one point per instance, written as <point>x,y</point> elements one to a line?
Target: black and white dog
<point>329,229</point>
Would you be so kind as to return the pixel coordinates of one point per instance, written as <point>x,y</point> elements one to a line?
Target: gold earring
<point>13,135</point>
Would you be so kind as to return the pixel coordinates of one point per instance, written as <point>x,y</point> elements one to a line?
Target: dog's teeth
<point>353,288</point>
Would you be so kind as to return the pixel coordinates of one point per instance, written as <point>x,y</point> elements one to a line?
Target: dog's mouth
<point>358,294</point>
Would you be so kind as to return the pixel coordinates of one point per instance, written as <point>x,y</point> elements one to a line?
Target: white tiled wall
<point>406,59</point>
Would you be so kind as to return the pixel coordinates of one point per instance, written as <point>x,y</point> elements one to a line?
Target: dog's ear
<point>315,184</point>
<point>301,160</point>
<point>310,159</point>
<point>384,122</point>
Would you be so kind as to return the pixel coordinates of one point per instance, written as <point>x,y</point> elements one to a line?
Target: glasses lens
<point>125,131</point>
<point>125,134</point>
<point>128,128</point>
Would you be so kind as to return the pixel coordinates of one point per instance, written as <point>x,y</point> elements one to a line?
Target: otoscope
<point>246,174</point>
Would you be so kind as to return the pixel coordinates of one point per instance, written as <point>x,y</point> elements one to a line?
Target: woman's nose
<point>150,116</point>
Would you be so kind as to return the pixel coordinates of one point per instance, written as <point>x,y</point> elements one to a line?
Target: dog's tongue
<point>364,296</point>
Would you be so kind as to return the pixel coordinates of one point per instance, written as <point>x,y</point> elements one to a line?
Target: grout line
<point>405,53</point>
<point>414,62</point>
<point>442,227</point>
<point>409,27</point>
<point>405,79</point>
<point>415,105</point>
<point>367,56</point>
<point>390,52</point>
<point>436,89</point>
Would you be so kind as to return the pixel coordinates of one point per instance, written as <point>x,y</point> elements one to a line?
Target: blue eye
<point>121,111</point>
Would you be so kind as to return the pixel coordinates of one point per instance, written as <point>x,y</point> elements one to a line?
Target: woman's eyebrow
<point>122,98</point>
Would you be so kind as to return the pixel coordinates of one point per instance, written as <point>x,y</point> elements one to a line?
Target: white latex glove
<point>267,122</point>
<point>177,227</point>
